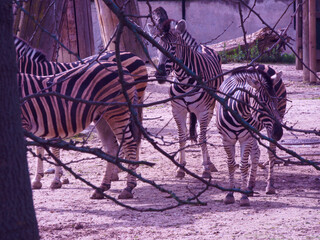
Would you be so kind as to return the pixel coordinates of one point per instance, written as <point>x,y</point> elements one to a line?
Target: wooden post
<point>299,35</point>
<point>68,35</point>
<point>312,40</point>
<point>305,41</point>
<point>108,23</point>
<point>77,32</point>
<point>84,28</point>
<point>50,17</point>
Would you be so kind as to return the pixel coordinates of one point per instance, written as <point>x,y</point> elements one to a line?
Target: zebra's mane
<point>165,26</point>
<point>29,51</point>
<point>266,78</point>
<point>269,70</point>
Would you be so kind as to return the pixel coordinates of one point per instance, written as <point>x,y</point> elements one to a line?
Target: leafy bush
<point>275,56</point>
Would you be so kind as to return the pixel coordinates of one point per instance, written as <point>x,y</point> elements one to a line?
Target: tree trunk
<point>69,20</point>
<point>49,14</point>
<point>299,35</point>
<point>312,41</point>
<point>263,39</point>
<point>305,41</point>
<point>17,215</point>
<point>108,24</point>
<point>77,31</point>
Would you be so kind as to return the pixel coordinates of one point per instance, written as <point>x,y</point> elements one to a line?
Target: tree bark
<point>108,24</point>
<point>77,30</point>
<point>69,20</point>
<point>305,41</point>
<point>299,35</point>
<point>17,214</point>
<point>263,38</point>
<point>49,14</point>
<point>312,40</point>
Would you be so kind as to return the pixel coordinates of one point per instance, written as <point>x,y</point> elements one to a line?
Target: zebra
<point>281,94</point>
<point>196,101</point>
<point>256,95</point>
<point>53,117</point>
<point>33,61</point>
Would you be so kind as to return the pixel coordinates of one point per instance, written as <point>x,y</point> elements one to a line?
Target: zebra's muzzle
<point>161,74</point>
<point>277,131</point>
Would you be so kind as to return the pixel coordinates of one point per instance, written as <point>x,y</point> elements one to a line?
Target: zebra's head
<point>169,32</point>
<point>266,103</point>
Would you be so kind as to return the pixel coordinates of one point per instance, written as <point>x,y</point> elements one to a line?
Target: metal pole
<point>184,9</point>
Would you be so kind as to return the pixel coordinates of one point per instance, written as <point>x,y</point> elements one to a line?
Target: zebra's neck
<point>24,50</point>
<point>33,61</point>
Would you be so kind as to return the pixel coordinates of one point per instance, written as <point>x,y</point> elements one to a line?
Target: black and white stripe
<point>33,61</point>
<point>196,101</point>
<point>258,96</point>
<point>55,117</point>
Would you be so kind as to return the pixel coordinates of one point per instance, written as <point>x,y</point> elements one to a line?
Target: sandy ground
<point>292,213</point>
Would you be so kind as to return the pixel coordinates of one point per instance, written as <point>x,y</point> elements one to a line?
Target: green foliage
<point>238,55</point>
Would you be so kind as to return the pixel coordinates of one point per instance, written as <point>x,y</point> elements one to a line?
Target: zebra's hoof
<point>180,174</point>
<point>244,201</point>
<point>36,185</point>
<point>213,168</point>
<point>262,165</point>
<point>250,188</point>
<point>49,171</point>
<point>206,174</point>
<point>229,199</point>
<point>114,177</point>
<point>97,195</point>
<point>125,194</point>
<point>56,185</point>
<point>270,189</point>
<point>65,181</point>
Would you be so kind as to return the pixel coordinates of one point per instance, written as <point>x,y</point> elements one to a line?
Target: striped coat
<point>255,96</point>
<point>191,98</point>
<point>33,61</point>
<point>55,117</point>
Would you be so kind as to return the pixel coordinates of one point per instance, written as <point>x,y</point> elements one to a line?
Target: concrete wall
<point>207,19</point>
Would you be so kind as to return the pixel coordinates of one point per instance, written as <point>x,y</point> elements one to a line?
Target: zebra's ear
<point>181,26</point>
<point>152,30</point>
<point>276,77</point>
<point>253,82</point>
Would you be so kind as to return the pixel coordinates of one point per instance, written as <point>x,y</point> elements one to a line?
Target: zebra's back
<point>53,116</point>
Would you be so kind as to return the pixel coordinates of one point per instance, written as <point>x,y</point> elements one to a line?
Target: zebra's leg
<point>130,149</point>
<point>229,147</point>
<point>208,166</point>
<point>56,182</point>
<point>36,182</point>
<point>110,145</point>
<point>245,147</point>
<point>255,155</point>
<point>270,181</point>
<point>180,114</point>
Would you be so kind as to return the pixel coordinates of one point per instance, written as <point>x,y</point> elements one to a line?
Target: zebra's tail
<point>193,128</point>
<point>135,128</point>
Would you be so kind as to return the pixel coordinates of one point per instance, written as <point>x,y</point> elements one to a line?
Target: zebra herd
<point>256,95</point>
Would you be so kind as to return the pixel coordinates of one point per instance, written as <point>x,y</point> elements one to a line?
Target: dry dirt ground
<point>292,213</point>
